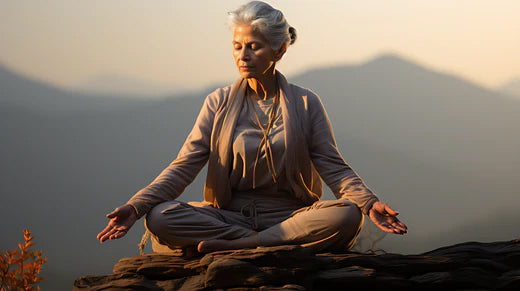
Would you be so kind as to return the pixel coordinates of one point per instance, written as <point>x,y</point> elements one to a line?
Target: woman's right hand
<point>121,220</point>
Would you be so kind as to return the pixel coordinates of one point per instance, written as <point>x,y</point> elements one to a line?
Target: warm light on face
<point>252,52</point>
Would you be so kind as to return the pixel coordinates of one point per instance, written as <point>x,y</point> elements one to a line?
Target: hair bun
<point>292,34</point>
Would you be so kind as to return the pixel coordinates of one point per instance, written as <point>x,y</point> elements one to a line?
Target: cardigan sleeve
<point>344,182</point>
<point>192,157</point>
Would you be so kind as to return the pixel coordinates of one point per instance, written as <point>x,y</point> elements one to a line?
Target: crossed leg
<point>178,224</point>
<point>327,224</point>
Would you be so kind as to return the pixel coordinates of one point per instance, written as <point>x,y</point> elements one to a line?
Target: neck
<point>265,87</point>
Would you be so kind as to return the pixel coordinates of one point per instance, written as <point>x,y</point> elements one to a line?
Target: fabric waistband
<point>263,201</point>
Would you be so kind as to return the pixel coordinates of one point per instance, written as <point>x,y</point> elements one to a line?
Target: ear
<point>278,54</point>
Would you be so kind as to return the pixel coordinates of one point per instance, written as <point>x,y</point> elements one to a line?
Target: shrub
<point>19,269</point>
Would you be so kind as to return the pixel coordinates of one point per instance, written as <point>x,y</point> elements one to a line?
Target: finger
<point>390,211</point>
<point>118,234</point>
<point>384,226</point>
<point>396,231</point>
<point>402,225</point>
<point>388,229</point>
<point>395,222</point>
<point>108,234</point>
<point>113,213</point>
<point>101,233</point>
<point>391,226</point>
<point>399,230</point>
<point>123,228</point>
<point>120,231</point>
<point>402,231</point>
<point>398,226</point>
<point>105,230</point>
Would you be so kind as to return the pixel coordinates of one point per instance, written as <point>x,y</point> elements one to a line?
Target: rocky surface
<point>475,266</point>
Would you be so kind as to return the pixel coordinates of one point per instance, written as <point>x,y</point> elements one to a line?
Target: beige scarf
<point>301,174</point>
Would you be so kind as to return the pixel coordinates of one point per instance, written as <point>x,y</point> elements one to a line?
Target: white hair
<point>269,21</point>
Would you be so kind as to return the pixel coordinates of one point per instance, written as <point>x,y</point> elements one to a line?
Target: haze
<point>414,90</point>
<point>187,43</point>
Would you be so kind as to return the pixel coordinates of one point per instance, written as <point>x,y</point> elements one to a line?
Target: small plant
<point>19,269</point>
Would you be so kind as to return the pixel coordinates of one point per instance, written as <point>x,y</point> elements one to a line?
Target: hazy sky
<point>188,43</point>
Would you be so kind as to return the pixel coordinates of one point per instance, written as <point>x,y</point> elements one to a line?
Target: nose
<point>243,54</point>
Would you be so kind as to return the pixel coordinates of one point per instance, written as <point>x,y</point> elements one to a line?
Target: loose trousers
<point>325,225</point>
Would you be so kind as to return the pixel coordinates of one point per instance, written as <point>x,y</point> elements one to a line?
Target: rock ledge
<point>472,265</point>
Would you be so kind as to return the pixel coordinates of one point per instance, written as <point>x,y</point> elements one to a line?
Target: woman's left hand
<point>386,218</point>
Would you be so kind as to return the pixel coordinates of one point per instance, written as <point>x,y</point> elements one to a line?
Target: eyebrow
<point>251,42</point>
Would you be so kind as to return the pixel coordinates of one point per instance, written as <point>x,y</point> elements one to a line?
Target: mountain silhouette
<point>511,87</point>
<point>442,150</point>
<point>33,95</point>
<point>125,86</point>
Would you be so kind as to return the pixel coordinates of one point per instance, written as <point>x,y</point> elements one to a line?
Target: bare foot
<point>207,246</point>
<point>213,245</point>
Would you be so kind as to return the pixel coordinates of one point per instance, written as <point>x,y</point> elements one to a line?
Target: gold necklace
<point>265,139</point>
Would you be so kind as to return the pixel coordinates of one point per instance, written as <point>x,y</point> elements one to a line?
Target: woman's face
<point>253,54</point>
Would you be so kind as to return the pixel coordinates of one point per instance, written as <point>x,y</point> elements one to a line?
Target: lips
<point>245,67</point>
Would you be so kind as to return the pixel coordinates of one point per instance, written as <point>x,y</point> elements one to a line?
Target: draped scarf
<point>300,172</point>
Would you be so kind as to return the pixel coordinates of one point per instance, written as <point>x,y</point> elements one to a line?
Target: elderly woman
<point>267,143</point>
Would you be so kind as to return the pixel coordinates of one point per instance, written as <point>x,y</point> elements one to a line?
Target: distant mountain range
<point>128,87</point>
<point>511,88</point>
<point>441,150</point>
<point>24,93</point>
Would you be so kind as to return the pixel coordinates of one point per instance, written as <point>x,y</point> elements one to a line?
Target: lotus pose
<point>268,145</point>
